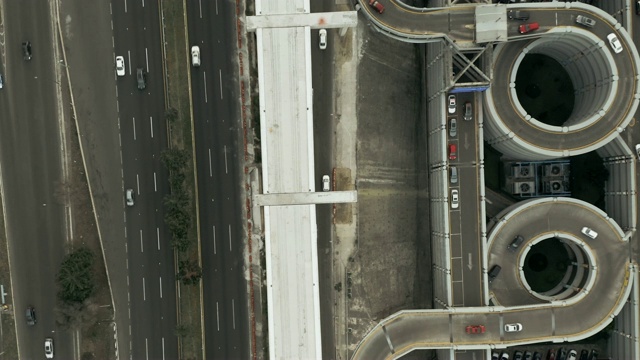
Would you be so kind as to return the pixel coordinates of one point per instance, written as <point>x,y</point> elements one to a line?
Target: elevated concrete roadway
<point>588,311</point>
<point>607,98</point>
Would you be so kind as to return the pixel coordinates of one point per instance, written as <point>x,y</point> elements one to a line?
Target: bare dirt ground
<point>382,270</point>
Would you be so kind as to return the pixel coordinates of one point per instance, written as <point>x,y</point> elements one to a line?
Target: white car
<point>48,348</point>
<point>454,199</point>
<point>513,327</point>
<point>452,104</point>
<point>638,151</point>
<point>129,197</point>
<point>323,39</point>
<point>326,183</point>
<point>590,233</point>
<point>120,66</point>
<point>195,56</point>
<point>615,43</point>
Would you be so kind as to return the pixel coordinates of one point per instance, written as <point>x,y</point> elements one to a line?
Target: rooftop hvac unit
<point>554,170</point>
<point>523,187</point>
<point>556,187</point>
<point>523,171</point>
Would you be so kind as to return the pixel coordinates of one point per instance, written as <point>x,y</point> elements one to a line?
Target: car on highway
<point>323,39</point>
<point>493,273</point>
<point>129,197</point>
<point>475,329</point>
<point>48,348</point>
<point>31,316</point>
<point>638,151</point>
<point>504,356</point>
<point>26,50</point>
<point>452,104</point>
<point>551,355</point>
<point>453,127</point>
<point>141,78</point>
<point>517,355</point>
<point>453,177</point>
<point>326,183</point>
<point>518,15</point>
<point>615,43</point>
<point>1,81</point>
<point>453,152</point>
<point>637,7</point>
<point>586,21</point>
<point>561,354</point>
<point>495,356</point>
<point>515,327</point>
<point>527,355</point>
<point>515,243</point>
<point>468,111</point>
<point>593,355</point>
<point>584,354</point>
<point>195,56</point>
<point>589,232</point>
<point>454,199</point>
<point>120,70</point>
<point>573,355</point>
<point>527,28</point>
<point>376,5</point>
<point>537,356</point>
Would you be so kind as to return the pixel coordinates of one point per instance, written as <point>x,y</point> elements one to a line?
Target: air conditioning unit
<point>523,187</point>
<point>554,170</point>
<point>523,171</point>
<point>555,187</point>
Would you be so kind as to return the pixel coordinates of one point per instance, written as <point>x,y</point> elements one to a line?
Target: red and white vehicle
<point>376,5</point>
<point>527,28</point>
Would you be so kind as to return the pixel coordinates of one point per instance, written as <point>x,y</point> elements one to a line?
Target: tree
<point>189,272</point>
<point>76,278</point>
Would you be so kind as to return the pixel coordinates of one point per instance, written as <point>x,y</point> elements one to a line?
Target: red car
<point>475,329</point>
<point>453,153</point>
<point>376,5</point>
<point>526,28</point>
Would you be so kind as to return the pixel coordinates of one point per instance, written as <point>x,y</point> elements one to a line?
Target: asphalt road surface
<point>219,161</point>
<point>152,279</point>
<point>31,164</point>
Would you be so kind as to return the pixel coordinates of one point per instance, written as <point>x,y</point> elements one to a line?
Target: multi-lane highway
<point>150,262</point>
<point>219,160</point>
<point>32,169</point>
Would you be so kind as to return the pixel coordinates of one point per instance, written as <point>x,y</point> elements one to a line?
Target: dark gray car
<point>31,316</point>
<point>142,79</point>
<point>518,15</point>
<point>26,50</point>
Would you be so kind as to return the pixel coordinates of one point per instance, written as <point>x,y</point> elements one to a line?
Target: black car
<point>584,354</point>
<point>31,316</point>
<point>26,50</point>
<point>517,355</point>
<point>142,79</point>
<point>561,354</point>
<point>593,355</point>
<point>527,355</point>
<point>637,7</point>
<point>537,356</point>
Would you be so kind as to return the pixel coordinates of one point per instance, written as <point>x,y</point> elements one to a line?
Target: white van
<point>195,56</point>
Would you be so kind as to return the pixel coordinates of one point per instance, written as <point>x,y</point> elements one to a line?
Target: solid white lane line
<point>214,240</point>
<point>134,129</point>
<point>129,56</point>
<point>146,55</point>
<point>210,167</point>
<point>162,348</point>
<point>233,312</point>
<point>158,236</point>
<point>217,316</point>
<point>141,244</point>
<point>125,6</point>
<point>144,291</point>
<point>221,84</point>
<point>155,183</point>
<point>146,347</point>
<point>160,287</point>
<point>200,4</point>
<point>230,249</point>
<point>204,79</point>
<point>226,168</point>
<point>151,125</point>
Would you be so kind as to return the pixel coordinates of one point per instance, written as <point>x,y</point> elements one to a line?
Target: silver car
<point>453,127</point>
<point>638,151</point>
